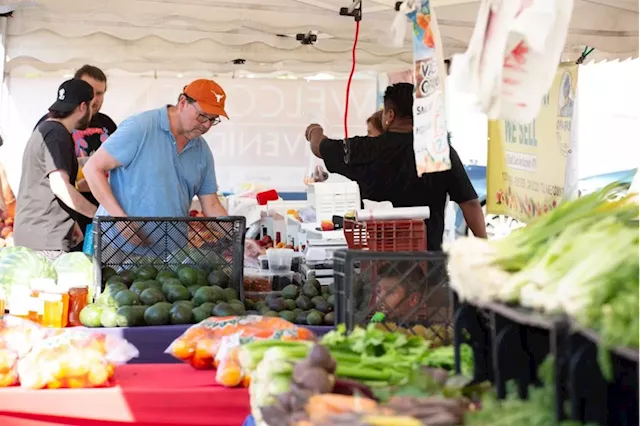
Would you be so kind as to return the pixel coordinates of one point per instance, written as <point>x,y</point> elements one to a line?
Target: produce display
<point>146,296</point>
<point>19,265</point>
<point>580,259</point>
<point>39,358</point>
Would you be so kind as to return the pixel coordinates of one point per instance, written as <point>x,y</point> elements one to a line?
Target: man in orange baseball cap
<point>158,161</point>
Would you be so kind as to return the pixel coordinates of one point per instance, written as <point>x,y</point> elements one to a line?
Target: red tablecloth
<point>146,394</point>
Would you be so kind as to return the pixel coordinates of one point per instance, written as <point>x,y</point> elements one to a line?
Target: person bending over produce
<point>385,168</point>
<point>158,160</point>
<point>48,201</point>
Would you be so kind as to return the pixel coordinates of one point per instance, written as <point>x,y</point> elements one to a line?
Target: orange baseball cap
<point>209,96</point>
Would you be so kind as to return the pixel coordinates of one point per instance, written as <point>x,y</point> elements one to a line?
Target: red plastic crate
<point>396,235</point>
<point>355,234</point>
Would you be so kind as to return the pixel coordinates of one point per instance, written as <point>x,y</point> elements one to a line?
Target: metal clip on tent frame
<point>355,10</point>
<point>584,55</point>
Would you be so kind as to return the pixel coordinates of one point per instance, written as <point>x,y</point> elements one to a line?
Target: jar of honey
<point>78,299</point>
<point>56,308</point>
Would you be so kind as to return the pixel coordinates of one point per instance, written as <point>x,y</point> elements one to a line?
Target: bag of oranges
<point>8,368</point>
<point>215,341</point>
<point>74,359</point>
<point>19,335</point>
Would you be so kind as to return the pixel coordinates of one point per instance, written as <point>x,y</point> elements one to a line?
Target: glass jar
<point>78,299</point>
<point>34,309</point>
<point>19,301</point>
<point>3,303</point>
<point>53,310</point>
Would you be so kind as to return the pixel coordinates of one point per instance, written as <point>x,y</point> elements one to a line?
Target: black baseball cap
<point>72,93</point>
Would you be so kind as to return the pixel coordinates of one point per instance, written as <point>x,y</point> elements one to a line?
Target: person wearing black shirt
<point>87,141</point>
<point>385,168</point>
<point>48,201</point>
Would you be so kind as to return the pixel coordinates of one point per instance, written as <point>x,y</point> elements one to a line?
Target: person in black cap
<point>48,201</point>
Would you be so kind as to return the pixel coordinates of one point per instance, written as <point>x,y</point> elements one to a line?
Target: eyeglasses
<point>204,119</point>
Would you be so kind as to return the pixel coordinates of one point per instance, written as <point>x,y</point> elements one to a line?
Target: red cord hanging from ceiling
<point>353,69</point>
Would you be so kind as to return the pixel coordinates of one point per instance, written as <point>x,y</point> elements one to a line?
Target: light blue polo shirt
<point>154,180</point>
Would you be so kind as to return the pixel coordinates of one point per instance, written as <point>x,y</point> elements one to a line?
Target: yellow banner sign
<point>527,164</point>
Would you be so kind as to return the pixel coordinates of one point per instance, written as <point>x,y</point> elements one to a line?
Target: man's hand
<point>315,135</point>
<point>133,234</point>
<point>76,236</point>
<point>311,128</point>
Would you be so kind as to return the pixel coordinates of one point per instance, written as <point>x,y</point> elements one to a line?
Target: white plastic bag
<point>513,55</point>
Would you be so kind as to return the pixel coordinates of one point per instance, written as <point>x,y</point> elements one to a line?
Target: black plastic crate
<point>471,325</point>
<point>167,243</point>
<point>593,398</point>
<point>411,289</point>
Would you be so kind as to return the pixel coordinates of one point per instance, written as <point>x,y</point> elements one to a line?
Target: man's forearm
<point>472,212</point>
<point>74,200</point>
<point>7,193</point>
<point>101,190</point>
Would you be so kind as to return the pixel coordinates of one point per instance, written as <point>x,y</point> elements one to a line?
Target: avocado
<point>146,272</point>
<point>297,311</point>
<point>203,295</point>
<point>290,292</point>
<point>250,305</point>
<point>127,298</point>
<point>114,279</point>
<point>164,275</point>
<point>127,277</point>
<point>276,304</point>
<point>263,309</point>
<point>304,303</point>
<point>288,316</point>
<point>317,299</point>
<point>323,307</point>
<point>223,309</point>
<point>170,282</point>
<point>237,307</point>
<point>219,278</point>
<point>175,293</point>
<point>314,318</point>
<point>219,291</point>
<point>325,291</point>
<point>139,286</point>
<point>130,316</point>
<point>289,304</point>
<point>271,296</point>
<point>201,313</point>
<point>331,300</point>
<point>181,314</point>
<point>108,272</point>
<point>207,306</point>
<point>271,314</point>
<point>153,284</point>
<point>316,284</point>
<point>188,276</point>
<point>332,288</point>
<point>229,294</point>
<point>151,296</point>
<point>330,319</point>
<point>109,317</point>
<point>187,303</point>
<point>192,290</point>
<point>301,318</point>
<point>259,304</point>
<point>201,277</point>
<point>158,314</point>
<point>310,290</point>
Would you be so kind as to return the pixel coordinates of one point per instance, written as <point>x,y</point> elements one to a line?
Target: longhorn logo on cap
<point>218,97</point>
<point>61,95</point>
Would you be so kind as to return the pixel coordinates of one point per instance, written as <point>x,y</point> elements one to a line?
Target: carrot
<point>322,405</point>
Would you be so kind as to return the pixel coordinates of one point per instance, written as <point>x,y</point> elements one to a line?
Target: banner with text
<point>430,141</point>
<point>528,165</point>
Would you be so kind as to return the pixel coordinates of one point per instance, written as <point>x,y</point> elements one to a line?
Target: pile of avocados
<point>188,295</point>
<point>311,304</point>
<point>146,296</point>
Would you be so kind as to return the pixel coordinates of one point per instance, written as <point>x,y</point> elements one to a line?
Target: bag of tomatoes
<point>74,359</point>
<point>215,342</point>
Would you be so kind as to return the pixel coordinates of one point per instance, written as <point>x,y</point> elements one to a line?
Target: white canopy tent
<point>142,36</point>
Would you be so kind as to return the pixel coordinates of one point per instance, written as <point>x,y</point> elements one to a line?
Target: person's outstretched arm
<point>8,198</point>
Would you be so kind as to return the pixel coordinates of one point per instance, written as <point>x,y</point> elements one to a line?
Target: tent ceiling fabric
<point>207,35</point>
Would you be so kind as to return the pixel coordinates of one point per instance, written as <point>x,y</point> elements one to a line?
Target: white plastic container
<point>280,259</point>
<point>330,199</point>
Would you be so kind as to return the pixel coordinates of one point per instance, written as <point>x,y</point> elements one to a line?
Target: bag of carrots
<point>215,343</point>
<point>74,359</point>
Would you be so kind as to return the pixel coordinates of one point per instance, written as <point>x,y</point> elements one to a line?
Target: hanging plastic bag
<point>74,359</point>
<point>513,55</point>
